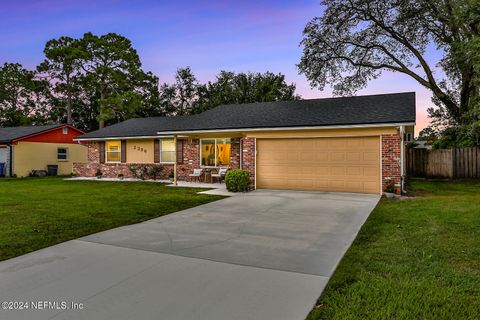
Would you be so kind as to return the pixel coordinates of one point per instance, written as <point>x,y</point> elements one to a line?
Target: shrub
<point>390,186</point>
<point>237,180</point>
<point>155,171</point>
<point>145,171</point>
<point>139,171</point>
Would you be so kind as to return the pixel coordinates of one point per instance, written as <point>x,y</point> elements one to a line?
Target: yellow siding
<point>140,151</point>
<point>28,156</point>
<point>347,132</point>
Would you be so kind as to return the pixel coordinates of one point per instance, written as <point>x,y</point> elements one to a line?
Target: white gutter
<point>125,138</point>
<point>377,125</point>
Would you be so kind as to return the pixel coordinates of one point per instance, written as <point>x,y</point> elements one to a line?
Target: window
<point>65,130</point>
<point>215,152</point>
<point>62,154</point>
<point>113,149</point>
<point>167,151</point>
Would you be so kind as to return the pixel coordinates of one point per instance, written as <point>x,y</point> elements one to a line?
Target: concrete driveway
<point>261,255</point>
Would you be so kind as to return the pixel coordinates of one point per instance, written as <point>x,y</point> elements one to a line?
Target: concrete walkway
<point>261,255</point>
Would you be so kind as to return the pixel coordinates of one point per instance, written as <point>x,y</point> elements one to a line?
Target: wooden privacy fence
<point>443,163</point>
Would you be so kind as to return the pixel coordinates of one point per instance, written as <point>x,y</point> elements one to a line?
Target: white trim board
<point>376,125</point>
<point>185,134</point>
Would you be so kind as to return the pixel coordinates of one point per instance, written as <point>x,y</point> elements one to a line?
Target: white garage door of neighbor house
<point>3,155</point>
<point>325,164</point>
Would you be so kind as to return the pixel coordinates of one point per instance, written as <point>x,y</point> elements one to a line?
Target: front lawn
<point>413,259</point>
<point>39,212</point>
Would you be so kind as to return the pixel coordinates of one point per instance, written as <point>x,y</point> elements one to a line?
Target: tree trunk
<point>69,103</point>
<point>101,122</point>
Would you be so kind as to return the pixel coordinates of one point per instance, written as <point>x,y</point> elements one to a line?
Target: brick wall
<point>111,170</point>
<point>191,160</point>
<point>248,157</point>
<point>391,160</point>
<point>235,153</point>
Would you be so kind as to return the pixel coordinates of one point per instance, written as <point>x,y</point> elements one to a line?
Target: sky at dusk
<point>208,36</point>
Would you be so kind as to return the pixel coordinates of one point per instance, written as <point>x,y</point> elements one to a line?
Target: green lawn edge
<point>417,258</point>
<point>39,212</point>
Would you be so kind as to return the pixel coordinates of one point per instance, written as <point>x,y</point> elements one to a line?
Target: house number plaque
<point>140,149</point>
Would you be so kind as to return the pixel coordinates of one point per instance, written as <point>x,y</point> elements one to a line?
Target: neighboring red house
<point>27,148</point>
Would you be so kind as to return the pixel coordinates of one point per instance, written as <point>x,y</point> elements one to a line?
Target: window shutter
<point>179,151</point>
<point>156,151</point>
<point>101,151</point>
<point>123,151</point>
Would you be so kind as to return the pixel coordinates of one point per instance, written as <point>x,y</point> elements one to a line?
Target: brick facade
<point>241,147</point>
<point>111,170</point>
<point>191,160</point>
<point>391,162</point>
<point>248,156</point>
<point>235,153</point>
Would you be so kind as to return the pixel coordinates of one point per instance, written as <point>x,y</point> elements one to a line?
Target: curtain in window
<point>113,149</point>
<point>216,152</point>
<point>223,152</point>
<point>167,151</point>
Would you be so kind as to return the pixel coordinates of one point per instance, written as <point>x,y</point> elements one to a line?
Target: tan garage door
<point>324,164</point>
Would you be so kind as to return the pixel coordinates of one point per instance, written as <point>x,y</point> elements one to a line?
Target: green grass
<point>413,259</point>
<point>39,212</point>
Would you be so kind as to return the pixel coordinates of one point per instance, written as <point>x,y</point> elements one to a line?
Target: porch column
<point>176,160</point>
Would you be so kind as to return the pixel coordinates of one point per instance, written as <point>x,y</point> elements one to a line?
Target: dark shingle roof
<point>358,110</point>
<point>8,134</point>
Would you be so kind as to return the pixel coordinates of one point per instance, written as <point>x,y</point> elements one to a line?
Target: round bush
<point>237,180</point>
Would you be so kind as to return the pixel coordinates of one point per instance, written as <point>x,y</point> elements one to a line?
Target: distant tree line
<point>98,80</point>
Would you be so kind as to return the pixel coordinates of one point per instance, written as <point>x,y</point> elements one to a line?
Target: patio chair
<point>220,175</point>
<point>197,173</point>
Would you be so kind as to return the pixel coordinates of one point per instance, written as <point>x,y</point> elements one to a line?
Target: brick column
<point>248,157</point>
<point>391,161</point>
<point>90,168</point>
<point>235,153</point>
<point>191,159</point>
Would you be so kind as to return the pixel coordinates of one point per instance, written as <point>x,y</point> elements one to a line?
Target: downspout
<point>402,154</point>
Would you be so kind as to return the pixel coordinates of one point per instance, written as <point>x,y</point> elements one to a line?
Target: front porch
<point>171,157</point>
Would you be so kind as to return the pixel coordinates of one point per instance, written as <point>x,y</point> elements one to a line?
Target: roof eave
<point>373,125</point>
<point>189,132</point>
<point>45,131</point>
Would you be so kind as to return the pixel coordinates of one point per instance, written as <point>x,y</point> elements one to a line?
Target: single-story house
<point>348,144</point>
<point>27,148</point>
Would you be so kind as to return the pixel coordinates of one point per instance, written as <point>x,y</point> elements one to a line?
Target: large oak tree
<point>353,41</point>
